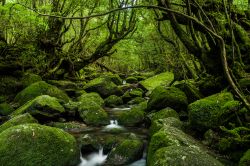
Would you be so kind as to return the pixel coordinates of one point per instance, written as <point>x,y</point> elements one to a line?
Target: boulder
<point>42,108</point>
<point>164,113</point>
<point>167,97</point>
<point>115,78</point>
<point>91,97</point>
<point>38,89</point>
<point>63,84</point>
<point>182,156</point>
<point>131,80</point>
<point>34,144</point>
<point>113,101</point>
<point>161,79</point>
<point>5,109</point>
<point>126,152</point>
<point>212,111</point>
<point>104,86</point>
<point>136,100</point>
<point>20,119</point>
<point>30,78</point>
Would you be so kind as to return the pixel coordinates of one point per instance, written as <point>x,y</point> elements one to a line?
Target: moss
<point>5,109</point>
<point>245,82</point>
<point>131,80</point>
<point>136,92</point>
<point>104,86</point>
<point>136,100</point>
<point>164,113</point>
<point>157,80</point>
<point>115,78</point>
<point>41,107</point>
<point>21,119</point>
<point>245,159</point>
<point>113,101</point>
<point>30,78</point>
<point>33,144</point>
<point>211,111</point>
<point>63,84</point>
<point>182,156</point>
<point>167,97</point>
<point>126,152</point>
<point>67,125</point>
<point>87,97</point>
<point>38,89</point>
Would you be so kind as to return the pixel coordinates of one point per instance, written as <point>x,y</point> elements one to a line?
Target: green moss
<point>136,92</point>
<point>42,106</point>
<point>113,101</point>
<point>164,113</point>
<point>21,119</point>
<point>245,82</point>
<point>245,159</point>
<point>161,79</point>
<point>33,144</point>
<point>182,156</point>
<point>38,89</point>
<point>136,100</point>
<point>63,84</point>
<point>88,97</point>
<point>67,125</point>
<point>126,152</point>
<point>30,78</point>
<point>115,78</point>
<point>5,109</point>
<point>131,80</point>
<point>211,111</point>
<point>167,97</point>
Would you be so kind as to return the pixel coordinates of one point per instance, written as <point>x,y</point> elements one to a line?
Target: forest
<point>124,82</point>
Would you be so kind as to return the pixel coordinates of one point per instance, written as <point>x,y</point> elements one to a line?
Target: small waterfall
<point>113,125</point>
<point>124,82</point>
<point>93,159</point>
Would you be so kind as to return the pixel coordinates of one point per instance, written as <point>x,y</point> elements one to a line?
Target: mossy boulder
<point>20,119</point>
<point>245,159</point>
<point>136,100</point>
<point>167,97</point>
<point>137,92</point>
<point>68,126</point>
<point>63,84</point>
<point>34,144</point>
<point>93,114</point>
<point>182,156</point>
<point>131,80</point>
<point>104,86</point>
<point>134,116</point>
<point>161,79</point>
<point>115,78</point>
<point>91,97</point>
<point>156,125</point>
<point>164,113</point>
<point>126,152</point>
<point>38,89</point>
<point>212,111</point>
<point>6,109</point>
<point>42,108</point>
<point>113,101</point>
<point>30,78</point>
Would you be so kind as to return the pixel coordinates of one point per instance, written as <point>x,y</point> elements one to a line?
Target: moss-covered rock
<point>126,152</point>
<point>42,108</point>
<point>137,92</point>
<point>182,156</point>
<point>161,79</point>
<point>63,84</point>
<point>136,100</point>
<point>134,116</point>
<point>33,144</point>
<point>245,159</point>
<point>38,89</point>
<point>131,80</point>
<point>113,101</point>
<point>104,86</point>
<point>91,97</point>
<point>167,97</point>
<point>212,111</point>
<point>68,126</point>
<point>156,125</point>
<point>115,78</point>
<point>164,113</point>
<point>20,119</point>
<point>30,78</point>
<point>6,109</point>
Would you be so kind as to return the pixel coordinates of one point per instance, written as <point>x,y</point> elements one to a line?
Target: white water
<point>120,109</point>
<point>113,125</point>
<point>93,159</point>
<point>124,82</point>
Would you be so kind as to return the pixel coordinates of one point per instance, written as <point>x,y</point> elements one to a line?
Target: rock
<point>91,97</point>
<point>137,92</point>
<point>42,108</point>
<point>212,111</point>
<point>134,116</point>
<point>245,159</point>
<point>126,152</point>
<point>104,86</point>
<point>182,156</point>
<point>38,89</point>
<point>131,80</point>
<point>30,78</point>
<point>115,78</point>
<point>20,119</point>
<point>34,144</point>
<point>92,114</point>
<point>113,101</point>
<point>190,89</point>
<point>167,97</point>
<point>63,84</point>
<point>5,109</point>
<point>161,79</point>
<point>164,113</point>
<point>68,126</point>
<point>136,100</point>
<point>156,125</point>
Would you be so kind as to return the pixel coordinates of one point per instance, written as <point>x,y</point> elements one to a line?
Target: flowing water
<point>94,159</point>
